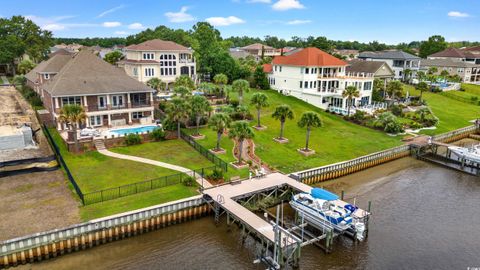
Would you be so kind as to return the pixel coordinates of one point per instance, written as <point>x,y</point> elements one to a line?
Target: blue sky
<point>389,21</point>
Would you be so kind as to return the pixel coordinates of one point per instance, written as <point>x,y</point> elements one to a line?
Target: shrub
<point>396,110</point>
<point>132,139</point>
<point>436,89</point>
<point>389,123</point>
<point>359,116</point>
<point>234,103</point>
<point>216,174</point>
<point>188,181</point>
<point>157,134</point>
<point>393,127</point>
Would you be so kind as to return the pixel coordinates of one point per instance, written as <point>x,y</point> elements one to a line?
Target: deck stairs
<point>99,144</point>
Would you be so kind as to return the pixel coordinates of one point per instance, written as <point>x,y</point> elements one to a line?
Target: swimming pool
<point>139,130</point>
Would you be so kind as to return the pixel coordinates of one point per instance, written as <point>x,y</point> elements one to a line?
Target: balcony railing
<point>186,61</point>
<point>141,104</point>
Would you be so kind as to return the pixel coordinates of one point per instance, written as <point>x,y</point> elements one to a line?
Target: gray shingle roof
<point>448,62</point>
<point>52,65</point>
<point>87,74</point>
<point>390,54</point>
<point>364,66</point>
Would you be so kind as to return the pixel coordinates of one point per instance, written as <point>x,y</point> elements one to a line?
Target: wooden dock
<point>225,196</point>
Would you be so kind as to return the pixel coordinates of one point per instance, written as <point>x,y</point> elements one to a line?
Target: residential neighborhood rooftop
<point>447,62</point>
<point>309,57</point>
<point>454,52</point>
<point>85,73</point>
<point>388,54</point>
<point>257,46</point>
<point>157,45</point>
<point>364,66</point>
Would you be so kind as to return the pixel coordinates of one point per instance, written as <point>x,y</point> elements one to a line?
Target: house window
<point>117,101</point>
<point>367,86</point>
<point>96,121</point>
<point>102,102</point>
<point>149,72</point>
<point>305,85</point>
<point>311,84</point>
<point>139,99</point>
<point>46,76</point>
<point>192,70</point>
<point>71,101</point>
<point>306,70</point>
<point>137,115</point>
<point>280,68</point>
<point>135,71</point>
<point>148,56</point>
<point>301,84</point>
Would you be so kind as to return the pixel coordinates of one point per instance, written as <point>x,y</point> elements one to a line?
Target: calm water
<point>425,217</point>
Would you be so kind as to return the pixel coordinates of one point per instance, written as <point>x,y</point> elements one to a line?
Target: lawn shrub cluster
<point>188,181</point>
<point>132,139</point>
<point>215,175</point>
<point>157,134</point>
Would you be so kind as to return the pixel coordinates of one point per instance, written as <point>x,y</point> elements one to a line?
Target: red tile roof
<point>267,68</point>
<point>157,45</point>
<point>309,57</point>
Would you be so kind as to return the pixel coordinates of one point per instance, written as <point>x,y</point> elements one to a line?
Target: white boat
<point>470,154</point>
<point>323,210</point>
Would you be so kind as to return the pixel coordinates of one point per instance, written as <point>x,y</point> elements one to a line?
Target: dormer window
<point>46,76</point>
<point>148,56</point>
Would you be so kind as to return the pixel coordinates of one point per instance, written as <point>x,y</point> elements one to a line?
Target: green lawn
<point>471,88</point>
<point>338,140</point>
<point>176,152</point>
<point>94,171</point>
<point>453,114</point>
<point>140,200</point>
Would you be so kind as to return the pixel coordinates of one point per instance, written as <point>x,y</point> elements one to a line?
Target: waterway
<point>424,217</point>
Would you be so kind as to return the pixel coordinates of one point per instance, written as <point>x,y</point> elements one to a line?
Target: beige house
<point>109,97</point>
<point>380,70</point>
<point>468,72</point>
<point>256,50</point>
<point>157,58</point>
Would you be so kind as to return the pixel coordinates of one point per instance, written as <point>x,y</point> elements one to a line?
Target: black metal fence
<point>204,151</point>
<point>63,164</point>
<point>143,186</point>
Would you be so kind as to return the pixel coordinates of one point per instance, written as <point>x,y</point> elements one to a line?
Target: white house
<point>161,59</point>
<point>318,78</point>
<point>399,61</point>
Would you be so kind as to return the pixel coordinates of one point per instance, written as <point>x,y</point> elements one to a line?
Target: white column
<point>151,115</point>
<point>109,120</point>
<point>108,106</point>
<point>129,102</point>
<point>85,103</point>
<point>87,121</point>
<point>57,106</point>
<point>151,98</point>
<point>129,117</point>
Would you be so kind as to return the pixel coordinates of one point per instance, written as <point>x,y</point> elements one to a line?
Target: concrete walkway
<point>105,152</point>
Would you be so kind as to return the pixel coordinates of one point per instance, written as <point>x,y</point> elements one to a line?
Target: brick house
<point>109,96</point>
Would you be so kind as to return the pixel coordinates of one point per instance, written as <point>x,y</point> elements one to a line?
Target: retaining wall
<point>49,244</point>
<point>336,170</point>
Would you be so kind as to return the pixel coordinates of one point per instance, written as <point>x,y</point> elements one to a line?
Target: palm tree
<point>219,122</point>
<point>309,120</point>
<point>350,92</point>
<point>185,81</point>
<point>421,75</point>
<point>240,131</point>
<point>73,115</point>
<point>177,111</point>
<point>282,113</point>
<point>432,70</point>
<point>259,100</point>
<point>155,83</point>
<point>221,80</point>
<point>199,106</point>
<point>406,74</point>
<point>444,74</point>
<point>240,86</point>
<point>422,86</point>
<point>182,91</point>
<point>394,87</point>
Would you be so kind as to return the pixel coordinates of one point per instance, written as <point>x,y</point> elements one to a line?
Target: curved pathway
<point>105,152</point>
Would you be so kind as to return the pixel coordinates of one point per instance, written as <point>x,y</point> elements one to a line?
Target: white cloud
<point>136,26</point>
<point>224,21</point>
<point>110,11</point>
<point>282,5</point>
<point>295,22</point>
<point>121,33</point>
<point>111,24</point>
<point>458,14</point>
<point>179,17</point>
<point>259,1</point>
<point>54,27</point>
